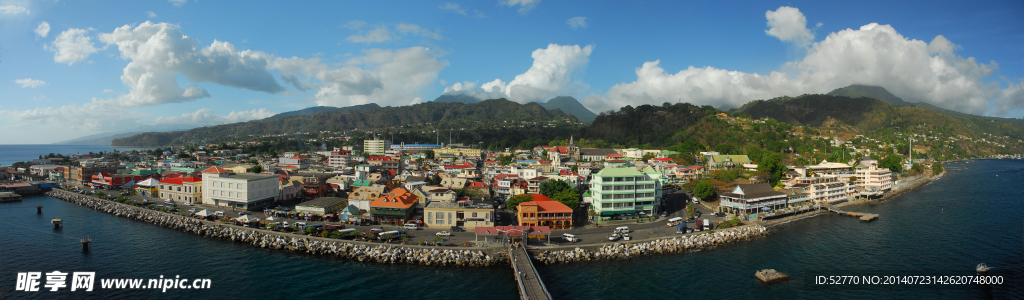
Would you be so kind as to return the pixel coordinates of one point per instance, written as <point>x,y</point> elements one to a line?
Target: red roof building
<point>544,212</point>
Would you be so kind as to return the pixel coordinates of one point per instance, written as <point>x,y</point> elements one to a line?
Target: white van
<point>675,221</point>
<point>569,237</point>
<point>411,226</point>
<point>622,229</point>
<point>707,225</point>
<point>393,234</point>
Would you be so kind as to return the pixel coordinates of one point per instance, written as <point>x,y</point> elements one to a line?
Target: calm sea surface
<point>949,226</point>
<point>10,154</point>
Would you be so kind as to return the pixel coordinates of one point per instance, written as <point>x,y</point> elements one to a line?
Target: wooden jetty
<point>9,197</point>
<point>530,285</point>
<point>863,216</point>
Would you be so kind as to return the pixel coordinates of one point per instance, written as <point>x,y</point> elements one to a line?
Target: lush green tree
<point>568,197</point>
<point>552,187</point>
<point>430,154</point>
<point>256,169</point>
<point>937,168</point>
<point>892,162</point>
<point>253,161</point>
<point>726,149</point>
<point>648,156</point>
<point>704,190</point>
<point>513,203</point>
<point>772,165</point>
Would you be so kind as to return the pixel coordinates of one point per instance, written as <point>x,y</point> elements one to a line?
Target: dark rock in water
<point>771,276</point>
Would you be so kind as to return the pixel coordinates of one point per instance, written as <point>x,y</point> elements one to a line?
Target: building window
<point>474,215</point>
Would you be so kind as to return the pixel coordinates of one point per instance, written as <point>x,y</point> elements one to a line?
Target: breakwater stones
<point>770,276</point>
<point>271,240</point>
<point>661,246</point>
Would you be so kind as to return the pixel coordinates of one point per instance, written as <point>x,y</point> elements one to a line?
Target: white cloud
<point>158,51</point>
<point>1010,99</point>
<point>789,24</point>
<point>13,9</point>
<point>461,10</point>
<point>206,116</point>
<point>151,14</point>
<point>453,7</point>
<point>29,82</point>
<point>71,46</point>
<point>178,3</point>
<point>107,91</point>
<point>379,34</point>
<point>415,29</point>
<point>525,6</point>
<point>43,29</point>
<point>550,76</point>
<point>577,22</point>
<point>872,55</point>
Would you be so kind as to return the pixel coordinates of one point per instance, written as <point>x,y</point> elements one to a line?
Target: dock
<point>530,285</point>
<point>863,216</point>
<point>9,197</point>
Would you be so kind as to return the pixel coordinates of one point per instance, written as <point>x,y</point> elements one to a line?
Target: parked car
<point>568,237</point>
<point>242,213</point>
<point>193,210</point>
<point>457,229</point>
<point>375,230</point>
<point>443,233</point>
<point>625,236</point>
<point>613,237</point>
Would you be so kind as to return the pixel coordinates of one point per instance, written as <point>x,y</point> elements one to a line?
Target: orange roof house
<point>544,212</point>
<point>395,207</point>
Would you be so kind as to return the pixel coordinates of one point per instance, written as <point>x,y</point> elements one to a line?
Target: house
<point>296,162</point>
<point>115,180</point>
<point>362,196</point>
<point>454,182</point>
<point>244,191</point>
<point>533,185</point>
<point>503,184</point>
<point>187,189</point>
<point>542,211</point>
<point>715,162</point>
<point>395,207</point>
<point>748,199</point>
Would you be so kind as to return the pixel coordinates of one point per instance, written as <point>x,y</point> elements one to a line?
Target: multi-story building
<point>374,146</point>
<point>752,198</point>
<point>533,185</point>
<point>503,184</point>
<point>181,189</point>
<point>244,191</point>
<point>623,191</point>
<point>395,207</point>
<point>338,158</point>
<point>874,179</point>
<point>542,211</point>
<point>469,214</point>
<point>83,175</point>
<point>298,162</point>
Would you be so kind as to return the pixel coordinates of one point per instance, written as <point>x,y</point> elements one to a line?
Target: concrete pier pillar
<point>39,209</point>
<point>85,244</point>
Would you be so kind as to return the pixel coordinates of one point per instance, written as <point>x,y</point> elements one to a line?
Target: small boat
<point>56,222</point>
<point>982,269</point>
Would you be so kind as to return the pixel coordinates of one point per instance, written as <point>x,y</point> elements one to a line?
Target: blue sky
<point>73,68</point>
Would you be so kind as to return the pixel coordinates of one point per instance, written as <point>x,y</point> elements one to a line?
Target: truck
<point>707,225</point>
<point>698,225</point>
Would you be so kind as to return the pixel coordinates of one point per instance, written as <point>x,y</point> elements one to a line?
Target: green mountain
<point>877,92</point>
<point>571,106</point>
<point>320,109</point>
<point>463,98</point>
<point>431,115</point>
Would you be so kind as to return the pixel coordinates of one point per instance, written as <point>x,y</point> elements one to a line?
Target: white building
<point>244,191</point>
<point>374,146</point>
<point>873,178</point>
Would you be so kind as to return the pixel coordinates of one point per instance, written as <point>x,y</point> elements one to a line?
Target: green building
<point>624,193</point>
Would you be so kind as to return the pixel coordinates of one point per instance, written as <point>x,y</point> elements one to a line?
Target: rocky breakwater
<point>364,252</point>
<point>659,246</point>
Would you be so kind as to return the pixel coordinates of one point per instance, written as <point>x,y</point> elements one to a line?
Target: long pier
<point>862,216</point>
<point>530,285</point>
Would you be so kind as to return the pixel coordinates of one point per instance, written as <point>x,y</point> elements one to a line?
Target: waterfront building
<point>244,191</point>
<point>395,207</point>
<point>874,179</point>
<point>623,191</point>
<point>543,211</point>
<point>322,206</point>
<point>467,213</point>
<point>748,199</point>
<point>186,189</point>
<point>114,180</point>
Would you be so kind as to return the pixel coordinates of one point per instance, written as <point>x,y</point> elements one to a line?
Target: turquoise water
<point>10,154</point>
<point>947,226</point>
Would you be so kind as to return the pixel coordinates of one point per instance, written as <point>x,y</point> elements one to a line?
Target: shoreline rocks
<point>271,240</point>
<point>689,243</point>
<point>770,276</point>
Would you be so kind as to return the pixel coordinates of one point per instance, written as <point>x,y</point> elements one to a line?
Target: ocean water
<point>10,154</point>
<point>948,226</point>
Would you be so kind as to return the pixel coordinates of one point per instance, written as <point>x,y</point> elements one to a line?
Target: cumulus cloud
<point>874,54</point>
<point>71,46</point>
<point>158,51</point>
<point>1010,99</point>
<point>549,76</point>
<point>525,6</point>
<point>178,3</point>
<point>577,22</point>
<point>461,10</point>
<point>379,34</point>
<point>13,9</point>
<point>417,30</point>
<point>43,29</point>
<point>29,82</point>
<point>789,24</point>
<point>151,14</point>
<point>206,116</point>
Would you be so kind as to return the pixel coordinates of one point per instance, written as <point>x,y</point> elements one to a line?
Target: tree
<point>892,162</point>
<point>253,161</point>
<point>552,187</point>
<point>937,168</point>
<point>513,203</point>
<point>648,156</point>
<point>430,154</point>
<point>772,165</point>
<point>256,169</point>
<point>704,190</point>
<point>568,197</point>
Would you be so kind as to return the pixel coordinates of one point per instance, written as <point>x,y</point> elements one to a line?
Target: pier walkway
<point>530,285</point>
<point>862,216</point>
